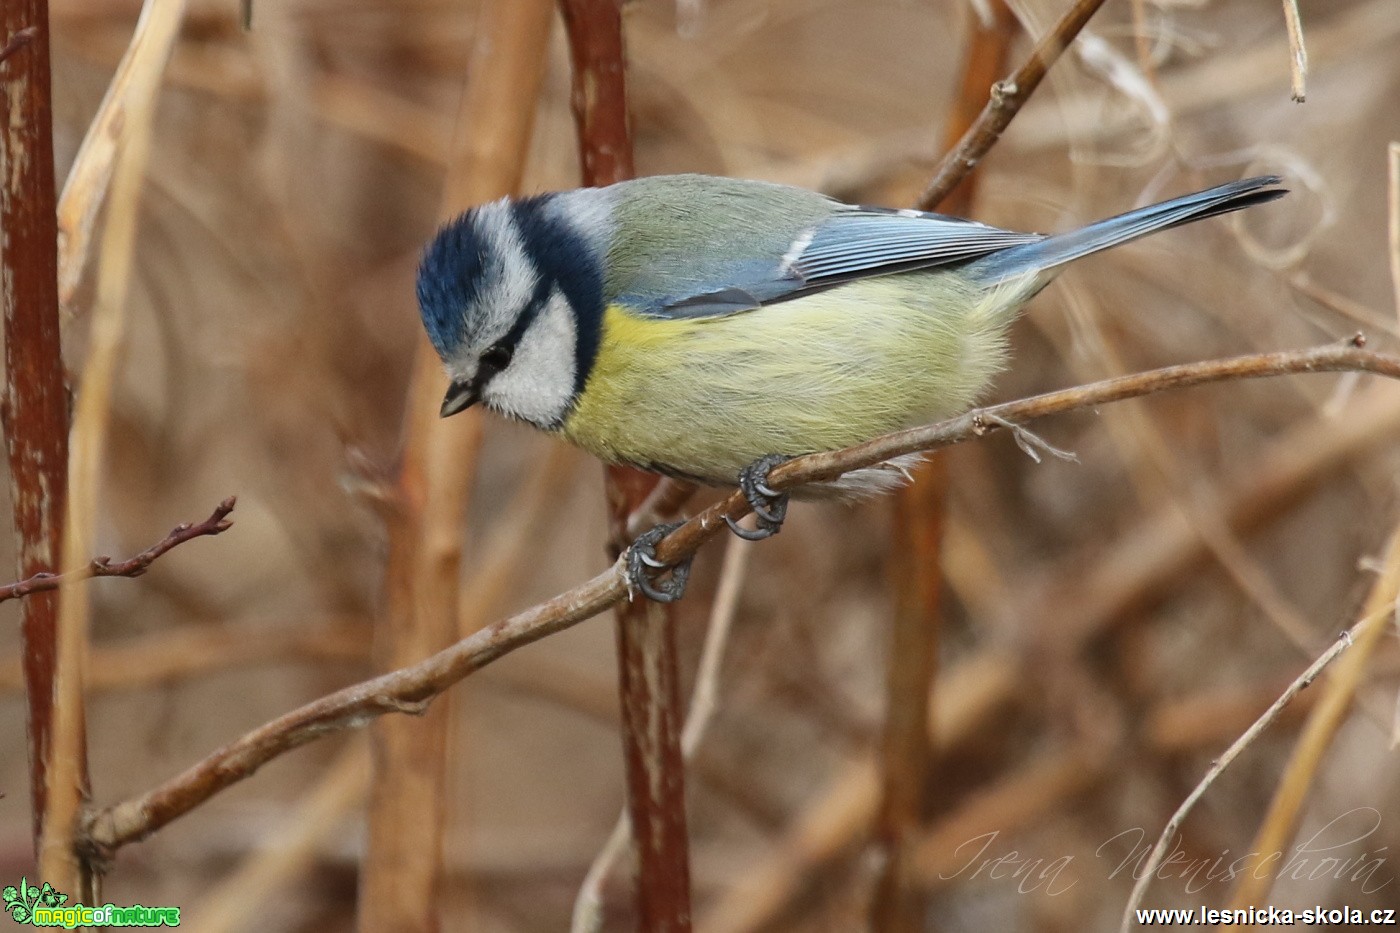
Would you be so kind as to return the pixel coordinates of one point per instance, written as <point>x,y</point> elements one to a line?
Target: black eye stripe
<point>498,356</point>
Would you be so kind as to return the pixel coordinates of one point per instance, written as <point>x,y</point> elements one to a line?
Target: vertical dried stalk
<point>60,863</point>
<point>1297,50</point>
<point>1393,161</point>
<point>85,189</point>
<point>647,670</point>
<point>34,406</point>
<point>403,861</point>
<point>907,763</point>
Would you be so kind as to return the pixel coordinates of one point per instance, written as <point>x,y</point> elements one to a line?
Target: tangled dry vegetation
<point>1107,627</point>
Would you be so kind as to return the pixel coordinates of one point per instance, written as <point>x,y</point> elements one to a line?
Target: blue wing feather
<point>850,244</point>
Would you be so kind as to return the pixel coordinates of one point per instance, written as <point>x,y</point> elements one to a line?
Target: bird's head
<point>511,295</point>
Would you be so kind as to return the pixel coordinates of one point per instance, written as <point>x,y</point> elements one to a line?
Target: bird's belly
<point>703,397</point>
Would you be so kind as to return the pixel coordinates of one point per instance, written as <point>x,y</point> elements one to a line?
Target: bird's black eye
<point>496,358</point>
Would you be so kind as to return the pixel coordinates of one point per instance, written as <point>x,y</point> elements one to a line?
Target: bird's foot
<point>644,571</point>
<point>769,506</point>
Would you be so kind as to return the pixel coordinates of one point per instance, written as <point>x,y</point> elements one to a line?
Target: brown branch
<point>44,581</point>
<point>1303,681</point>
<point>34,407</point>
<point>648,669</point>
<point>1006,100</point>
<point>412,688</point>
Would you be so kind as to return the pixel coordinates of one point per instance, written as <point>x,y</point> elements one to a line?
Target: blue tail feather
<point>1055,251</point>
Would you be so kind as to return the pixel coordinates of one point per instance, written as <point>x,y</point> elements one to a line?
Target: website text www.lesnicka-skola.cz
<point>1270,916</point>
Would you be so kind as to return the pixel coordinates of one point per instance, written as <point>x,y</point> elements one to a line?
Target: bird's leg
<point>769,506</point>
<point>644,570</point>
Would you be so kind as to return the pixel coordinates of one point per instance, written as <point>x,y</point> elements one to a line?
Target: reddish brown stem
<point>35,405</point>
<point>45,581</point>
<point>647,669</point>
<point>1006,100</point>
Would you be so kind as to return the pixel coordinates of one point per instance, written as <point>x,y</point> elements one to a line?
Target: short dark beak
<point>460,396</point>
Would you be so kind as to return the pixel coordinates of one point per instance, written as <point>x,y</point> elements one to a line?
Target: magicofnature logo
<point>42,906</point>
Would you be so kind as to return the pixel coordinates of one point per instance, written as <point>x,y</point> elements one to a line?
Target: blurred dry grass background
<point>1113,623</point>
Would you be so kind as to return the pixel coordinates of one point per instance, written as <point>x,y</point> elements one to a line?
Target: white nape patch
<point>538,385</point>
<point>510,278</point>
<point>588,212</point>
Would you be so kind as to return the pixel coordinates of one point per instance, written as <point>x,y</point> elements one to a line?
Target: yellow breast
<point>703,397</point>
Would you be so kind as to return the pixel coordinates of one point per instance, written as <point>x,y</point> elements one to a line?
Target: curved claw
<point>642,567</point>
<point>768,504</point>
<point>750,534</point>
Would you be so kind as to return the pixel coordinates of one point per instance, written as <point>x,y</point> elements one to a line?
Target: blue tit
<point>694,326</point>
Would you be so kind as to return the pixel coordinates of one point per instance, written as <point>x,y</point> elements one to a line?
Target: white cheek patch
<point>538,385</point>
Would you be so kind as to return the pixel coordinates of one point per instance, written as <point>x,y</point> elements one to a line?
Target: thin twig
<point>1298,52</point>
<point>1159,851</point>
<point>412,688</point>
<point>1005,102</point>
<point>1338,694</point>
<point>44,581</point>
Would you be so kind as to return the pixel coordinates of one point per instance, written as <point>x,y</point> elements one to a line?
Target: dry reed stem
<point>34,407</point>
<point>1298,51</point>
<point>216,523</point>
<point>1393,225</point>
<point>704,701</point>
<point>1338,693</point>
<point>84,191</point>
<point>1164,841</point>
<point>648,671</point>
<point>63,860</point>
<point>279,863</point>
<point>407,811</point>
<point>907,762</point>
<point>412,688</point>
<point>1006,100</point>
<point>1216,715</point>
